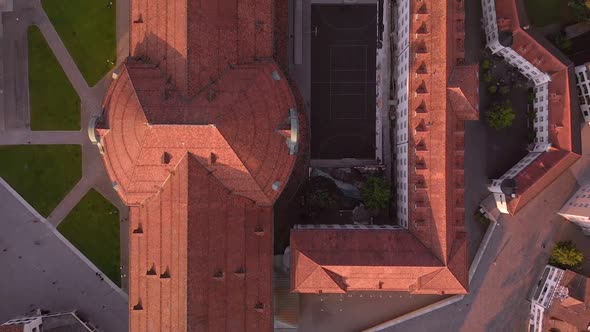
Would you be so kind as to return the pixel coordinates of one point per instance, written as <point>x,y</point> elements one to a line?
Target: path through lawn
<point>87,28</point>
<point>54,103</point>
<point>93,227</point>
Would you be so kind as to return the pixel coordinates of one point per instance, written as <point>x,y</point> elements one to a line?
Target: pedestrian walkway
<point>15,121</point>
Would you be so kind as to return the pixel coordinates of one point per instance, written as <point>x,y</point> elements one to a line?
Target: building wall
<point>583,86</point>
<point>543,296</point>
<point>540,104</point>
<point>30,324</point>
<point>401,64</point>
<point>577,208</point>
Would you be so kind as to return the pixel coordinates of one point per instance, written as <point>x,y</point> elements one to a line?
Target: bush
<point>482,218</point>
<point>563,43</point>
<point>487,77</point>
<point>324,193</point>
<point>580,9</point>
<point>500,116</point>
<point>504,89</point>
<point>485,64</point>
<point>565,255</point>
<point>376,193</point>
<point>492,89</point>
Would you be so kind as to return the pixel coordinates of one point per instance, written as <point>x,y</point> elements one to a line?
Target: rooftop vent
<point>240,272</point>
<point>423,29</point>
<point>276,185</point>
<point>138,306</point>
<point>166,274</point>
<point>166,158</point>
<point>258,230</point>
<point>219,275</point>
<point>152,271</point>
<point>212,158</point>
<point>422,69</point>
<point>259,307</point>
<point>139,20</point>
<point>211,95</point>
<point>138,230</point>
<point>276,76</point>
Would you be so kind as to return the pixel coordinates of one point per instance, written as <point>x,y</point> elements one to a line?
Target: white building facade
<point>541,83</point>
<point>583,87</point>
<point>543,296</point>
<point>401,62</point>
<point>577,208</point>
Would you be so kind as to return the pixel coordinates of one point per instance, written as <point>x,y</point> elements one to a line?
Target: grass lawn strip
<point>54,103</point>
<point>545,12</point>
<point>93,227</point>
<point>42,174</point>
<point>87,28</point>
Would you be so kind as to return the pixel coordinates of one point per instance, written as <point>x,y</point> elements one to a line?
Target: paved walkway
<point>43,270</point>
<point>14,110</point>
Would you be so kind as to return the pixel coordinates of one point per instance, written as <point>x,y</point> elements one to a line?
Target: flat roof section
<point>343,84</point>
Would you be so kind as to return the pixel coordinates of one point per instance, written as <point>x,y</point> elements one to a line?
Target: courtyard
<point>343,90</point>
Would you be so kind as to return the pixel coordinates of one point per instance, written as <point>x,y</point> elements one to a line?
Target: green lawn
<point>55,105</point>
<point>545,12</point>
<point>41,174</point>
<point>87,28</point>
<point>93,227</point>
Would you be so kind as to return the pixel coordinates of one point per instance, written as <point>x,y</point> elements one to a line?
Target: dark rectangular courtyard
<point>343,90</point>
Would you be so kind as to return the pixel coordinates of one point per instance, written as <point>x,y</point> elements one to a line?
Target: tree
<point>580,9</point>
<point>487,77</point>
<point>500,116</point>
<point>376,193</point>
<point>492,89</point>
<point>485,64</point>
<point>565,255</point>
<point>563,43</point>
<point>324,193</point>
<point>504,90</point>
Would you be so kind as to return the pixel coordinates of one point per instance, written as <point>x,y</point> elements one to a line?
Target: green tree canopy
<point>324,193</point>
<point>500,116</point>
<point>376,193</point>
<point>581,9</point>
<point>565,255</point>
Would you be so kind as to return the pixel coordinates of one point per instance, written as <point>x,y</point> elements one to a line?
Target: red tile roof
<point>194,41</point>
<point>542,172</point>
<point>431,256</point>
<point>575,308</point>
<point>12,328</point>
<point>193,143</point>
<point>336,261</point>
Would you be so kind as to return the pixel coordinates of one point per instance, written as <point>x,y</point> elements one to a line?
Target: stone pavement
<point>517,254</point>
<point>15,118</point>
<point>42,270</point>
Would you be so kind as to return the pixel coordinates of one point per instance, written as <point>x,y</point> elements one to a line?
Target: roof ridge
<point>312,272</point>
<point>243,163</point>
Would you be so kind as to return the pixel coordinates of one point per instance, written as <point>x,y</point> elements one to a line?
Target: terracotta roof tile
<point>432,251</point>
<point>12,328</point>
<point>192,146</point>
<point>546,168</point>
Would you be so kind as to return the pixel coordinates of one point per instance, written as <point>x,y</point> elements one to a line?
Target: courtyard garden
<point>42,174</point>
<point>332,196</point>
<point>93,227</point>
<point>505,109</point>
<point>55,108</point>
<point>87,29</point>
<point>546,12</point>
